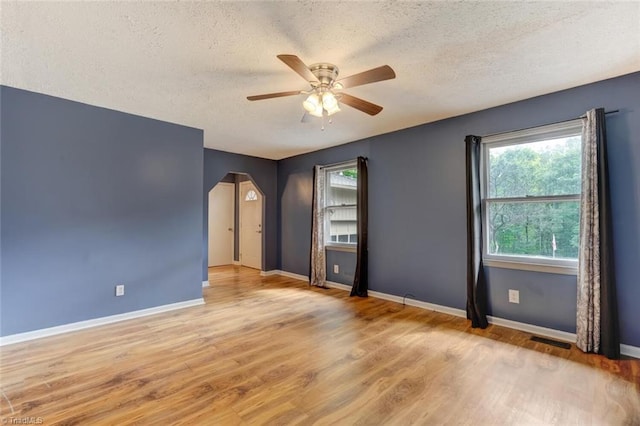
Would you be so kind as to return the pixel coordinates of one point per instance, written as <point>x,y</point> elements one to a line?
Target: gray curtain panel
<point>476,281</point>
<point>597,312</point>
<point>361,278</point>
<point>318,272</point>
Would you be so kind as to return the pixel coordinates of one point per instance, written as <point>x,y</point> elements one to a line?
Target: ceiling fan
<point>324,95</point>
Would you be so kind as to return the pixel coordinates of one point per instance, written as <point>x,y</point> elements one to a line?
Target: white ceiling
<point>194,63</point>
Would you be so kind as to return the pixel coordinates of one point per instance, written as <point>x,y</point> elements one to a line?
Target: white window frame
<point>335,245</point>
<point>536,134</point>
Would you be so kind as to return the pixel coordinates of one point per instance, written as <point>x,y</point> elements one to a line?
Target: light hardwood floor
<point>274,351</point>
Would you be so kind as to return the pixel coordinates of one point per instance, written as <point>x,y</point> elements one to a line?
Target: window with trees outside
<point>341,186</point>
<point>531,198</point>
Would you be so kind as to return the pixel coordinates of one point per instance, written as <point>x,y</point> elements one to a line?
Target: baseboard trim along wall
<point>628,350</point>
<point>289,275</point>
<point>81,325</point>
<point>533,329</point>
<point>270,273</point>
<point>564,336</point>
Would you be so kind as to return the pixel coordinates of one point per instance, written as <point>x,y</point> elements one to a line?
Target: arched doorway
<point>246,243</point>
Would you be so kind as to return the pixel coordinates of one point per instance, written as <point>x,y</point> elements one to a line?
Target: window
<point>341,188</point>
<point>251,196</point>
<point>531,198</point>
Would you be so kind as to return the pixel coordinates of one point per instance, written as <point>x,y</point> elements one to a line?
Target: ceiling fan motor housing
<point>325,73</point>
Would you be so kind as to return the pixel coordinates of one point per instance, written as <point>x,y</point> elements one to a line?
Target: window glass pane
<point>549,167</point>
<point>251,196</point>
<point>342,187</point>
<point>546,230</point>
<point>341,221</point>
<point>340,204</point>
<point>341,198</point>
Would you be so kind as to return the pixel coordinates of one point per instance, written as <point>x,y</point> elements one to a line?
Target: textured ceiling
<point>194,63</point>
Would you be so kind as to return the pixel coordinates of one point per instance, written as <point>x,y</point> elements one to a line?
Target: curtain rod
<point>548,124</point>
<point>341,163</point>
<point>605,113</point>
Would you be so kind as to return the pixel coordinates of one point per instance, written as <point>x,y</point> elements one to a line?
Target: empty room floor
<point>275,351</point>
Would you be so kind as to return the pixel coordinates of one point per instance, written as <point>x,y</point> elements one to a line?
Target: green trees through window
<point>532,198</point>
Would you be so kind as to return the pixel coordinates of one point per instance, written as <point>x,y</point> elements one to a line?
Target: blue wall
<point>346,262</point>
<point>92,198</point>
<point>417,228</point>
<point>264,175</point>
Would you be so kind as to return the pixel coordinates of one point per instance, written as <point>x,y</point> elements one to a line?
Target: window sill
<point>351,248</point>
<point>535,267</point>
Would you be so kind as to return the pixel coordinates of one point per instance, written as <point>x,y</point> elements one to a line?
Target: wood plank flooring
<point>274,351</point>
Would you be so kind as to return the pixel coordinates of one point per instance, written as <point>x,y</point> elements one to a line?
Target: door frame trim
<point>233,213</point>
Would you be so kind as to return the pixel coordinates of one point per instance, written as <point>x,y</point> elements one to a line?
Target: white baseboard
<point>628,350</point>
<point>81,325</point>
<point>236,263</point>
<point>564,336</point>
<point>419,304</point>
<point>339,286</point>
<point>270,273</point>
<point>533,329</point>
<point>294,276</point>
<point>205,283</point>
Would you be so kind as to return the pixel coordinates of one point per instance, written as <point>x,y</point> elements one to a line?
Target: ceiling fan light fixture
<point>316,104</point>
<point>317,112</point>
<point>329,101</point>
<point>312,103</point>
<point>333,110</point>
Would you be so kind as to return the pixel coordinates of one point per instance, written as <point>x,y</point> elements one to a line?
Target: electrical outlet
<point>336,269</point>
<point>120,290</point>
<point>514,296</point>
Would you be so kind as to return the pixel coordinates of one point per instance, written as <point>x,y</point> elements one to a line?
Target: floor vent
<point>563,345</point>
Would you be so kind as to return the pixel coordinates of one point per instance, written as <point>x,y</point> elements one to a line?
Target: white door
<point>221,212</point>
<point>250,226</point>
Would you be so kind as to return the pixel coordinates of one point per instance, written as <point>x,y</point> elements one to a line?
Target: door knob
<point>230,229</point>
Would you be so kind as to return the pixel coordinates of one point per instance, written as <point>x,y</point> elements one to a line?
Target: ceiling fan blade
<point>273,95</point>
<point>376,74</point>
<point>360,104</point>
<point>299,67</point>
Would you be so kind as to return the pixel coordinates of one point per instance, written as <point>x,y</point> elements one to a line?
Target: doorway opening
<point>235,222</point>
<point>221,224</point>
